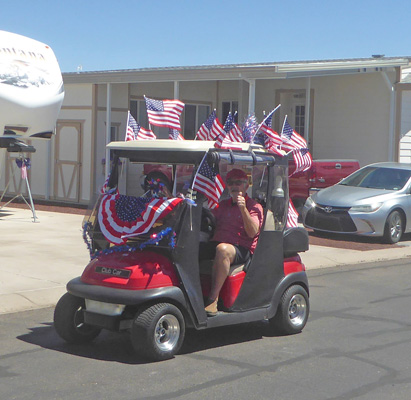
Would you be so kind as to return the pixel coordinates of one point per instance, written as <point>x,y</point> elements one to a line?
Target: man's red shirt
<point>230,225</point>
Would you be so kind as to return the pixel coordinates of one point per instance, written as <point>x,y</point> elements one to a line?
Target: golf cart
<point>153,283</point>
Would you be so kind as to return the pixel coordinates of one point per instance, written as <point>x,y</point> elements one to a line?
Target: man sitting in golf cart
<point>238,223</point>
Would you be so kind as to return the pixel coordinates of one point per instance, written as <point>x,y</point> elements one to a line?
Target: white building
<point>357,109</point>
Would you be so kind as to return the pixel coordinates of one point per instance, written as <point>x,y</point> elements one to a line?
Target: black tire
<point>394,227</point>
<point>158,332</point>
<point>69,321</point>
<point>292,312</point>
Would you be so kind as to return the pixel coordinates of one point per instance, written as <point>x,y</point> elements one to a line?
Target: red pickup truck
<point>322,174</point>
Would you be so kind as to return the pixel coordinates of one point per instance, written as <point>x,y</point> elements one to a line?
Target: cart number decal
<point>119,273</point>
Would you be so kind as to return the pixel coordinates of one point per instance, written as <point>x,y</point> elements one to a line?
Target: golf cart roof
<point>173,151</point>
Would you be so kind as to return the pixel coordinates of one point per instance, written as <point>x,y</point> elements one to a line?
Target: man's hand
<point>241,201</point>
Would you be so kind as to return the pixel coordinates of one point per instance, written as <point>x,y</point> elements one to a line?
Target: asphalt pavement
<point>38,258</point>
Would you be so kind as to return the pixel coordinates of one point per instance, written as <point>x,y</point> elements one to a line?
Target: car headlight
<point>366,208</point>
<point>309,203</point>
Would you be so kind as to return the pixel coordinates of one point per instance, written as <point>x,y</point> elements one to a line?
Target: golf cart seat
<point>207,265</point>
<point>295,241</point>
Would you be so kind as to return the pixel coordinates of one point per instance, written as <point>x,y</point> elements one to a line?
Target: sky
<point>92,35</point>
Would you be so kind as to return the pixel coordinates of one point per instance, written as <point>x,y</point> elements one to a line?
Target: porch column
<point>251,96</point>
<point>391,139</point>
<point>307,109</point>
<point>108,129</point>
<point>176,89</point>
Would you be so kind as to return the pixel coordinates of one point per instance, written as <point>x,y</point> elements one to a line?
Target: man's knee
<point>225,250</point>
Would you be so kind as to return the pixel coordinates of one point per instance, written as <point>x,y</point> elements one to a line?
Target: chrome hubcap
<point>396,228</point>
<point>297,310</point>
<point>167,332</point>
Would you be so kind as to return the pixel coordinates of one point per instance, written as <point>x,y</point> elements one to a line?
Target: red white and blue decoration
<point>121,217</point>
<point>155,239</point>
<point>24,164</point>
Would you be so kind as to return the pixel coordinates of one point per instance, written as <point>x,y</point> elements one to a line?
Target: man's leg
<point>225,255</point>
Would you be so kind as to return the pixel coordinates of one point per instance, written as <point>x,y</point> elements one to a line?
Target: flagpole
<point>282,129</point>
<point>149,125</point>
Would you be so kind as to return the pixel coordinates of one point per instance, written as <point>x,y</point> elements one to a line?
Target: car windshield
<point>378,178</point>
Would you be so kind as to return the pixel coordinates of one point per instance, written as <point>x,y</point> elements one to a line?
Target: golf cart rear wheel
<point>393,228</point>
<point>69,320</point>
<point>158,332</point>
<point>292,313</point>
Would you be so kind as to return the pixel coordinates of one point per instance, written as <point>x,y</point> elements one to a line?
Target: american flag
<point>273,145</point>
<point>291,139</point>
<point>208,182</point>
<point>224,141</point>
<point>174,134</point>
<point>235,134</point>
<point>136,132</point>
<point>164,112</point>
<point>292,216</point>
<point>204,133</point>
<point>273,140</point>
<point>302,159</point>
<point>216,130</point>
<point>121,216</point>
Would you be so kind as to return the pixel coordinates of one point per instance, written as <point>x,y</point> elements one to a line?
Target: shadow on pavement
<point>113,346</point>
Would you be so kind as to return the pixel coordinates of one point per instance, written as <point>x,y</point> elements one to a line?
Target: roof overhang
<point>282,70</point>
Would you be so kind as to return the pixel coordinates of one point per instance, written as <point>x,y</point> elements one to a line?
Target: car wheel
<point>292,312</point>
<point>393,228</point>
<point>158,332</point>
<point>69,320</point>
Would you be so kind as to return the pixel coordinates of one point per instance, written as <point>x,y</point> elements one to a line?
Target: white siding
<point>405,131</point>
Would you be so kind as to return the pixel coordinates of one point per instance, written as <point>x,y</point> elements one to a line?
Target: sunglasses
<point>237,182</point>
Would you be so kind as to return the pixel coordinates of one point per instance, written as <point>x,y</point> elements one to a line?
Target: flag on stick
<point>302,159</point>
<point>136,132</point>
<point>208,182</point>
<point>174,134</point>
<point>164,112</point>
<point>206,129</point>
<point>291,139</point>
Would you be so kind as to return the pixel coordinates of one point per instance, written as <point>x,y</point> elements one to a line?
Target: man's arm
<point>251,225</point>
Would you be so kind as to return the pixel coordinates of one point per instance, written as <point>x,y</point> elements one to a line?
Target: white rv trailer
<point>31,92</point>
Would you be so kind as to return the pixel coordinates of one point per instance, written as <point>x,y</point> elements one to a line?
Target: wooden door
<point>67,175</point>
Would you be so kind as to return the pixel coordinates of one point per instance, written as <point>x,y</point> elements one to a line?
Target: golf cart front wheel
<point>158,332</point>
<point>292,313</point>
<point>69,320</point>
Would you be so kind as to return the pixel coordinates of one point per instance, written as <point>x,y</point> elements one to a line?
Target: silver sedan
<point>373,201</point>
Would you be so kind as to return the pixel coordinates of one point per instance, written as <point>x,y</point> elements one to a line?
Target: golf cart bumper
<point>127,297</point>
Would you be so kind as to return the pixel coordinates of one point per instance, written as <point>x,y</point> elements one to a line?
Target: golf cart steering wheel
<point>208,222</point>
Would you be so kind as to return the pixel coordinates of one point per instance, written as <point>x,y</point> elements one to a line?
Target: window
<point>300,119</point>
<point>228,106</point>
<point>194,115</point>
<point>114,133</point>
